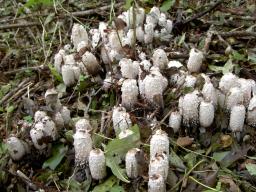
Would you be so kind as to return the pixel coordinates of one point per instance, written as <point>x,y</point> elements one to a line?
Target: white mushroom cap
<point>139,15</point>
<point>220,98</point>
<point>175,121</point>
<point>149,33</point>
<point>190,111</point>
<point>129,69</point>
<point>140,34</point>
<point>175,64</point>
<point>234,97</point>
<point>210,93</point>
<point>65,113</point>
<point>121,119</point>
<point>130,93</point>
<point>49,128</point>
<point>83,125</point>
<point>162,20</point>
<point>114,41</point>
<point>159,165</point>
<point>95,37</point>
<point>159,143</point>
<point>237,116</point>
<point>169,26</point>
<point>131,163</point>
<point>58,120</point>
<point>246,87</point>
<point>108,82</point>
<point>195,60</point>
<point>102,27</point>
<point>83,146</point>
<point>97,164</point>
<point>91,63</point>
<point>160,59</point>
<point>228,81</point>
<point>51,97</point>
<point>59,60</point>
<point>251,114</point>
<point>190,81</point>
<point>79,34</point>
<point>69,59</point>
<point>37,135</point>
<point>68,75</point>
<point>39,115</point>
<point>156,183</point>
<point>206,114</point>
<point>16,148</point>
<point>129,39</point>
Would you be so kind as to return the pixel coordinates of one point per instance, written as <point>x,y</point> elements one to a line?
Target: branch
<point>92,11</point>
<point>237,34</point>
<point>18,25</point>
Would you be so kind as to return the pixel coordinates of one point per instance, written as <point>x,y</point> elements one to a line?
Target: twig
<point>18,25</point>
<point>198,182</point>
<point>8,95</point>
<point>208,40</point>
<point>203,12</point>
<point>178,26</point>
<point>187,174</point>
<point>26,180</point>
<point>175,55</point>
<point>35,68</point>
<point>96,10</point>
<point>237,34</point>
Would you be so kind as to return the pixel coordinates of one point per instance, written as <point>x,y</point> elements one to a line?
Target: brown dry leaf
<point>228,181</point>
<point>226,141</point>
<point>185,141</point>
<point>119,23</point>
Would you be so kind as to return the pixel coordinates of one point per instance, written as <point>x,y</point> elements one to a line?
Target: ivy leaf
<point>58,152</point>
<point>116,149</point>
<point>167,5</point>
<point>251,168</point>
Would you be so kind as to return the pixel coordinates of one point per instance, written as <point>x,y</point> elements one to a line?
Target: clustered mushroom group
<point>102,52</point>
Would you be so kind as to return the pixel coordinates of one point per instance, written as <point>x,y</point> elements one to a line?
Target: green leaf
<point>28,118</point>
<point>116,149</point>
<point>112,163</point>
<point>176,161</point>
<point>55,73</point>
<point>58,152</point>
<point>107,185</point>
<point>10,109</point>
<point>237,56</point>
<point>218,156</point>
<point>117,188</point>
<point>182,39</point>
<point>252,58</point>
<point>190,158</point>
<point>167,5</point>
<point>128,4</point>
<point>228,67</point>
<point>4,89</point>
<point>251,168</point>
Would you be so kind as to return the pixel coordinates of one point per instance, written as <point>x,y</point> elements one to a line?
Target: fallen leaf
<point>226,141</point>
<point>185,141</point>
<point>229,181</point>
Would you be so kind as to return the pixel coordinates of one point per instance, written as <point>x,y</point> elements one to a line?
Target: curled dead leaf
<point>185,141</point>
<point>226,141</point>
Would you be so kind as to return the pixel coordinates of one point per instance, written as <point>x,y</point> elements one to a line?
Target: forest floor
<point>32,32</point>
